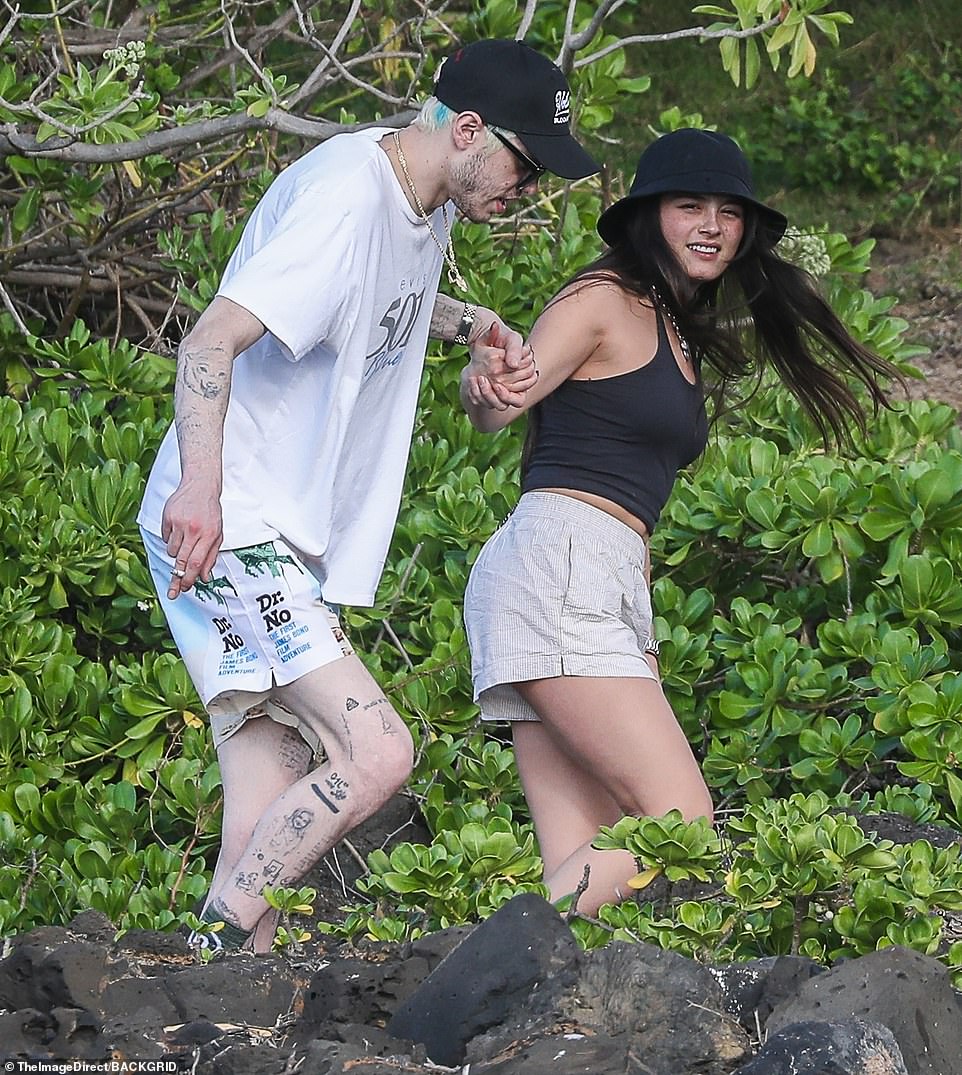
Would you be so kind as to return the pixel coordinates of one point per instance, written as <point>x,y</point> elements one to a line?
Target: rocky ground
<point>514,995</point>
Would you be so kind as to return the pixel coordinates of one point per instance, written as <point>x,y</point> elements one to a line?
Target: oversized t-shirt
<point>344,275</point>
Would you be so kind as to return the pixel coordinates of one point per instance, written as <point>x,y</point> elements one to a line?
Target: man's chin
<point>478,216</point>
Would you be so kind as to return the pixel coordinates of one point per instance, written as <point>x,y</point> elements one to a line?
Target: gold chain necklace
<point>682,342</point>
<point>454,273</point>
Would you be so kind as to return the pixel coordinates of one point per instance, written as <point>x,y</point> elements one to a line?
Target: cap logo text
<point>562,106</point>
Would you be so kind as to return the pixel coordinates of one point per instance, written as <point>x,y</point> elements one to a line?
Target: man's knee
<point>389,767</point>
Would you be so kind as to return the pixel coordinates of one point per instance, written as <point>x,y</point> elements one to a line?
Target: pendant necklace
<point>454,273</point>
<point>682,342</point>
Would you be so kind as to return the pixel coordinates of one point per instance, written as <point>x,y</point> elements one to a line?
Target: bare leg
<point>257,764</point>
<point>606,747</point>
<point>369,756</point>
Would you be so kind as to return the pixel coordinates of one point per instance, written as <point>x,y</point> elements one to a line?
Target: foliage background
<point>809,600</point>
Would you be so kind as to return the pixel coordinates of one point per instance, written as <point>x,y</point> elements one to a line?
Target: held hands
<point>502,368</point>
<point>192,526</point>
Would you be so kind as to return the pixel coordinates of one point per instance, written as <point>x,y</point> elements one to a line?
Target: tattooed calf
<point>247,882</point>
<point>338,786</point>
<point>325,800</point>
<point>224,913</point>
<point>273,869</point>
<point>295,825</point>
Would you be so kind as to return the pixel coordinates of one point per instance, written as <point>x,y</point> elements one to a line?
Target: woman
<point>558,610</point>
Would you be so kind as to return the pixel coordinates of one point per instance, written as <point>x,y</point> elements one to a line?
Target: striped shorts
<point>558,590</point>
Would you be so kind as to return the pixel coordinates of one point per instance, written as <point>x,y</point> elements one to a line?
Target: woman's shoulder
<point>602,289</point>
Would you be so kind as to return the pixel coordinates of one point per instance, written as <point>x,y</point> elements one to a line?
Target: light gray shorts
<point>558,590</point>
<point>260,622</point>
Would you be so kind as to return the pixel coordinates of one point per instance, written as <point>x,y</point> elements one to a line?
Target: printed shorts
<point>259,622</point>
<point>558,590</point>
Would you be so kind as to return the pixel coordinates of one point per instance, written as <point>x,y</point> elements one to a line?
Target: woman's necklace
<point>454,273</point>
<point>682,342</point>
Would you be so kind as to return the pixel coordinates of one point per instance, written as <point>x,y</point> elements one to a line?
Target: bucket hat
<point>696,162</point>
<point>510,85</point>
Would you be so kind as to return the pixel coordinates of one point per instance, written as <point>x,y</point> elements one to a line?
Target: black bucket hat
<point>696,162</point>
<point>510,85</point>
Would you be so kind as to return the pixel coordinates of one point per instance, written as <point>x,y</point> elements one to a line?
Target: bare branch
<point>17,319</point>
<point>13,141</point>
<point>526,19</point>
<point>263,37</point>
<point>676,35</point>
<point>70,278</point>
<point>229,23</point>
<point>573,41</point>
<point>333,49</point>
<point>330,59</point>
<point>314,84</point>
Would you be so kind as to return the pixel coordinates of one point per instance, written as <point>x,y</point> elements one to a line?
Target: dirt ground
<point>925,274</point>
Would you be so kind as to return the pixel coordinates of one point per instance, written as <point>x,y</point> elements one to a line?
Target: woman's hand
<point>502,368</point>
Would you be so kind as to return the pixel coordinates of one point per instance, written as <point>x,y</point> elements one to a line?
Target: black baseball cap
<point>510,85</point>
<point>692,161</point>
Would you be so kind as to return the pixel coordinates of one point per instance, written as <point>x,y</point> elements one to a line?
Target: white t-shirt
<point>344,276</point>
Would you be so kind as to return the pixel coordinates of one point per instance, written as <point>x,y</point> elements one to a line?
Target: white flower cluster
<point>129,57</point>
<point>806,250</point>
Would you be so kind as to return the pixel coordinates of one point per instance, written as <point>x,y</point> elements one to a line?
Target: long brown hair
<point>763,312</point>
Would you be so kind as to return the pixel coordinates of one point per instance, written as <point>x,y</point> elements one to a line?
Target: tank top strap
<point>663,348</point>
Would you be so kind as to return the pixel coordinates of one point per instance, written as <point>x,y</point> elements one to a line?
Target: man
<point>274,496</point>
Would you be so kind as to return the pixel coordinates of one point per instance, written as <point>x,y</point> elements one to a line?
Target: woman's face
<point>703,231</point>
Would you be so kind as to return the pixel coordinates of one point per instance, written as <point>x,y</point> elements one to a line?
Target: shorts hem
<point>500,702</point>
<point>583,665</point>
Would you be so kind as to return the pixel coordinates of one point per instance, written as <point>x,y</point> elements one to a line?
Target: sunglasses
<point>535,170</point>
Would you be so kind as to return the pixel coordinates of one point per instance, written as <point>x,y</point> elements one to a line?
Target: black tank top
<point>624,437</point>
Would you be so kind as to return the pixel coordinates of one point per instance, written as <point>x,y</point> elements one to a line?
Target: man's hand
<point>192,526</point>
<point>502,368</point>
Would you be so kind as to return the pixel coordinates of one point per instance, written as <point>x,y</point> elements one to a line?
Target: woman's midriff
<point>605,505</point>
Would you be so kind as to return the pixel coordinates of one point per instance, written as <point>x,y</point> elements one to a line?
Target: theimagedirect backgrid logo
<point>92,1067</point>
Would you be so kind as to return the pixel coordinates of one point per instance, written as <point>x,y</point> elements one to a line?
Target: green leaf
<point>25,211</point>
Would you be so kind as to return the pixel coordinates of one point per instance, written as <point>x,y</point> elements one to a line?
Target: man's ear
<point>467,130</point>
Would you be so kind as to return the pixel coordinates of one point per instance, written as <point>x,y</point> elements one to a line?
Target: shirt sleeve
<point>294,267</point>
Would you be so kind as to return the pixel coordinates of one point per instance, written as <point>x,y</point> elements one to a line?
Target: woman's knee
<point>689,796</point>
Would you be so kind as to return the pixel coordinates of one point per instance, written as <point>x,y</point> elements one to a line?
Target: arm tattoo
<point>202,377</point>
<point>445,317</point>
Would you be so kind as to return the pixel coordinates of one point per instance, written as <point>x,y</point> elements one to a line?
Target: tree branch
<point>527,18</point>
<point>13,141</point>
<point>17,319</point>
<point>335,46</point>
<point>676,35</point>
<point>573,41</point>
<point>258,41</point>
